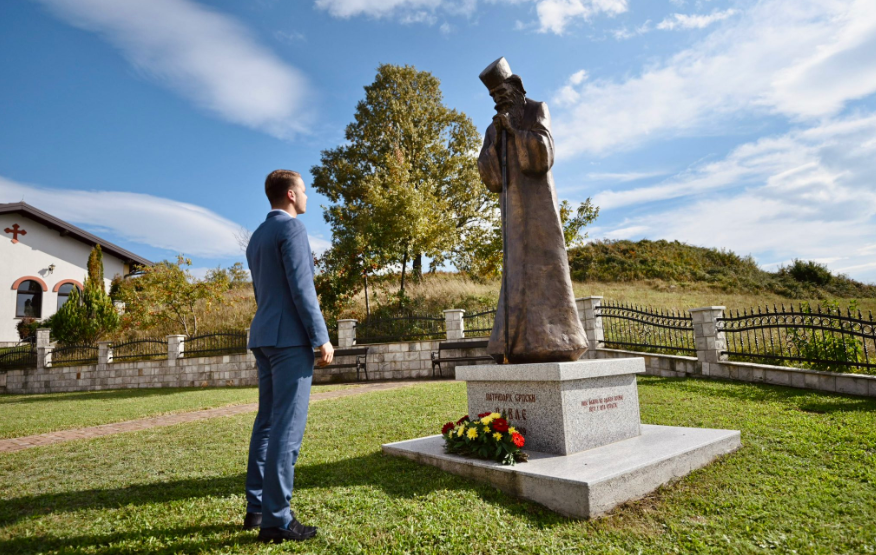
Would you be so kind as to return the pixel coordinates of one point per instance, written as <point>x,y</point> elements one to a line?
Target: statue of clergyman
<point>543,324</point>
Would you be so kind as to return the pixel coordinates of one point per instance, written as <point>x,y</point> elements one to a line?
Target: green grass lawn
<point>804,482</point>
<point>22,415</point>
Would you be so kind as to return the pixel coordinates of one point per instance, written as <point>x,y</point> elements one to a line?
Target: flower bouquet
<point>488,437</point>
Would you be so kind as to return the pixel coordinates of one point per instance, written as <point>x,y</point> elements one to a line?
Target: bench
<point>437,357</point>
<point>360,365</point>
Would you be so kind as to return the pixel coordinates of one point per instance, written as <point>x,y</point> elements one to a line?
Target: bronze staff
<point>505,236</point>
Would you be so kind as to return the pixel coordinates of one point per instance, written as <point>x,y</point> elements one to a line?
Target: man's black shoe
<point>296,532</point>
<point>252,521</point>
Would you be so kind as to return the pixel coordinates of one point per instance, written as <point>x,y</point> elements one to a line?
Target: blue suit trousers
<point>285,377</point>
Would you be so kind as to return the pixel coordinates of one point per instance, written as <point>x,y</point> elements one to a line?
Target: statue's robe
<point>543,319</point>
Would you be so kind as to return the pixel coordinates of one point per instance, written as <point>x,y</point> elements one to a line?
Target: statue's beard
<point>512,106</point>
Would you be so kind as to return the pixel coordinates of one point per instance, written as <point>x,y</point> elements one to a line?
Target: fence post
<point>591,321</point>
<point>44,348</point>
<point>175,348</point>
<point>454,324</point>
<point>249,355</point>
<point>709,339</point>
<point>346,333</point>
<point>44,357</point>
<point>43,337</point>
<point>104,354</point>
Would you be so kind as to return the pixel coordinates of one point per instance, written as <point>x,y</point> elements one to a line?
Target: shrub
<point>27,328</point>
<point>809,271</point>
<point>85,318</point>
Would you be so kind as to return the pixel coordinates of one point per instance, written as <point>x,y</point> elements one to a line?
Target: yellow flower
<point>460,431</point>
<point>497,436</point>
<point>512,430</point>
<point>495,415</point>
<point>472,433</point>
<point>486,420</point>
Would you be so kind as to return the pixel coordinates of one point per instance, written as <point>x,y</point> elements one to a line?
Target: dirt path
<point>26,442</point>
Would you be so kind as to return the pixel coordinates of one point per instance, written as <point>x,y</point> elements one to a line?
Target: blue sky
<point>748,125</point>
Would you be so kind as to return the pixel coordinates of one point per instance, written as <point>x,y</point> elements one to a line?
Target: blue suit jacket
<point>281,265</point>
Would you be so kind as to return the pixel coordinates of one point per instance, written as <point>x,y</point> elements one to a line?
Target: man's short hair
<point>278,183</point>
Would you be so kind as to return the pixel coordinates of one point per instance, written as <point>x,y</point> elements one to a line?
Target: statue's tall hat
<point>496,73</point>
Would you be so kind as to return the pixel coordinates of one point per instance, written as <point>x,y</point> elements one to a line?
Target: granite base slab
<point>592,482</point>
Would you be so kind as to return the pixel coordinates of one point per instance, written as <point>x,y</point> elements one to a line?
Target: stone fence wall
<point>407,360</point>
<point>386,361</point>
<point>681,366</point>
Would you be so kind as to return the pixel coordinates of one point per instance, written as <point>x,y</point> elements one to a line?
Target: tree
<point>480,253</point>
<point>405,184</point>
<point>88,316</point>
<point>166,293</point>
<point>573,223</point>
<point>233,277</point>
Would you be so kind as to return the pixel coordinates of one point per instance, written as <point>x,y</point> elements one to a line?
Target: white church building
<point>42,259</point>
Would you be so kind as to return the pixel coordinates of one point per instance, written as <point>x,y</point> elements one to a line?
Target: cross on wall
<point>15,231</point>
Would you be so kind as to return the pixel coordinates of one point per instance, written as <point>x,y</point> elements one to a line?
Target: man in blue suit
<point>287,327</point>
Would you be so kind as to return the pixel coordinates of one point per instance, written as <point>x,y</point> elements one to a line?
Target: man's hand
<point>327,353</point>
<point>503,121</point>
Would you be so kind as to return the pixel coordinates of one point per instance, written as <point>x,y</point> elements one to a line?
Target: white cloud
<point>407,11</point>
<point>555,15</point>
<point>319,244</point>
<point>623,177</point>
<point>623,33</point>
<point>290,36</point>
<point>201,54</point>
<point>807,194</point>
<point>568,95</point>
<point>578,77</point>
<point>178,227</point>
<point>684,21</point>
<point>802,59</point>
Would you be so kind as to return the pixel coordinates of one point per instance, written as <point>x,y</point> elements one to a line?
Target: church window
<point>29,300</point>
<point>64,293</point>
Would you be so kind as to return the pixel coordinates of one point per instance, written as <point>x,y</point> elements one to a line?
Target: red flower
<point>483,414</point>
<point>447,427</point>
<point>518,440</point>
<point>461,420</point>
<point>500,425</point>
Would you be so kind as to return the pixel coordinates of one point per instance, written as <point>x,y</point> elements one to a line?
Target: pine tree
<point>88,316</point>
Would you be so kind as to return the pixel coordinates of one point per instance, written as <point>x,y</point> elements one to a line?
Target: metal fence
<point>646,329</point>
<point>140,349</point>
<point>820,339</point>
<point>402,326</point>
<point>19,356</point>
<point>479,324</point>
<point>72,355</point>
<point>224,343</point>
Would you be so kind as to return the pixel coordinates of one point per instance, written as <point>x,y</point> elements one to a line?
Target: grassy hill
<point>672,262</point>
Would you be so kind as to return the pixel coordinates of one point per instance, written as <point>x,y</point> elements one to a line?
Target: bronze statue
<point>537,320</point>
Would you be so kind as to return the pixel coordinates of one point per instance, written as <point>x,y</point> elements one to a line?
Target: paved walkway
<point>26,442</point>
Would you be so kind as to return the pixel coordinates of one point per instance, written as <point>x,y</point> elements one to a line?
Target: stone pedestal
<point>560,407</point>
<point>588,452</point>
